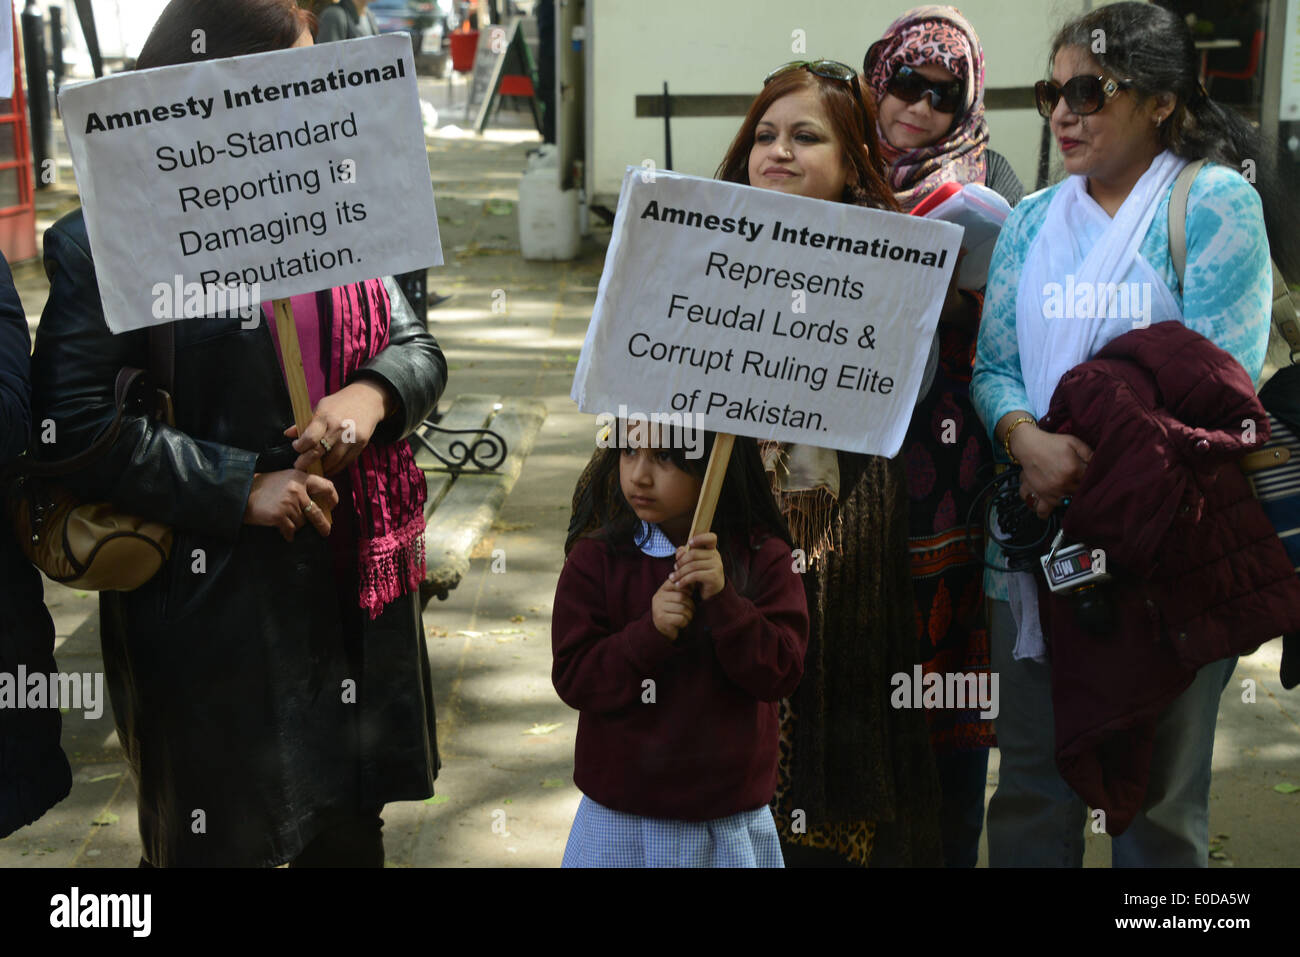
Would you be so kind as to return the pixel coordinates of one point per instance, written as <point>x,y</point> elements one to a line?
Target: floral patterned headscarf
<point>940,36</point>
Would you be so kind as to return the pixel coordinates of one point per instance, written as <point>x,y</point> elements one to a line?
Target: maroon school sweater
<point>685,729</point>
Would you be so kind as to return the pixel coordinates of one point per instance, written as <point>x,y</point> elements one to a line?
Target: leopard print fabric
<point>852,841</point>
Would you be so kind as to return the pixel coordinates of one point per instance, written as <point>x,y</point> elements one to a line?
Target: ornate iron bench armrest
<point>482,455</point>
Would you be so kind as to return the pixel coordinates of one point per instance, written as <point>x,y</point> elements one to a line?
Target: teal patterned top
<point>1228,299</point>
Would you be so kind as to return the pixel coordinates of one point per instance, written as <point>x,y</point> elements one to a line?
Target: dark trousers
<point>962,778</point>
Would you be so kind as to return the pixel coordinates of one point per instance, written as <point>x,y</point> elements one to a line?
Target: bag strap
<point>162,362</point>
<point>125,383</point>
<point>1178,218</point>
<point>162,354</point>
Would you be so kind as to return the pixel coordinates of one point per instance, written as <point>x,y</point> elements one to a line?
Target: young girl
<point>675,652</point>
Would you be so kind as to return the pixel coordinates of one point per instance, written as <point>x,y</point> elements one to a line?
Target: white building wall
<point>728,46</point>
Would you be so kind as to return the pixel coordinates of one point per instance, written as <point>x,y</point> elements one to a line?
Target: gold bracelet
<point>1006,439</point>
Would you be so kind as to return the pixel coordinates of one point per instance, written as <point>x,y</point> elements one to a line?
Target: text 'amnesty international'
<point>204,107</point>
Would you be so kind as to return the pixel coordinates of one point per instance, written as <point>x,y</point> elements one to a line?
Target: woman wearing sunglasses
<point>927,77</point>
<point>1127,121</point>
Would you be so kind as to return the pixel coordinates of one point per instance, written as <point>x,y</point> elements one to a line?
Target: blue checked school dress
<point>605,838</point>
<point>602,837</point>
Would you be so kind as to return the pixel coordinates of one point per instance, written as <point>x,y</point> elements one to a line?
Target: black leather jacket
<point>34,773</point>
<point>228,671</point>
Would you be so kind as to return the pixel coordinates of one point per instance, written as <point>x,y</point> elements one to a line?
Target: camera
<point>1070,569</point>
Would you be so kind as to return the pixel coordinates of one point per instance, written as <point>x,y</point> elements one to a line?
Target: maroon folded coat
<point>1199,572</point>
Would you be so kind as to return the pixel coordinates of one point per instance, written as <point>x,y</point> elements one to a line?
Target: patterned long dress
<point>856,776</point>
<point>948,457</point>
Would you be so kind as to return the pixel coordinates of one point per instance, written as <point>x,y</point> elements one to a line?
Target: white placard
<point>295,170</point>
<point>772,315</point>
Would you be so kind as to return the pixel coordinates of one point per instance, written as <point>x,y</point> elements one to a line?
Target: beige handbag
<point>87,545</point>
<point>90,545</point>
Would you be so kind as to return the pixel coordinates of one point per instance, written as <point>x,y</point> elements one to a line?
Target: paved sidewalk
<point>506,795</point>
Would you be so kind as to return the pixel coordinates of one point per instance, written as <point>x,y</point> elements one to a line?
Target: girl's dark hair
<point>1153,49</point>
<point>230,28</point>
<point>860,144</point>
<point>747,511</point>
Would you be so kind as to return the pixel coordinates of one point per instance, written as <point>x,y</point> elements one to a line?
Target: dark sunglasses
<point>1084,94</point>
<point>831,70</point>
<point>909,86</point>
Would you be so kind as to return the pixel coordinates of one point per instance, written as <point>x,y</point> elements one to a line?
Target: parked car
<point>424,20</point>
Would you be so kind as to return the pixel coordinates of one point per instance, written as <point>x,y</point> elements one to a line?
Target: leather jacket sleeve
<point>411,365</point>
<point>152,469</point>
<point>15,370</point>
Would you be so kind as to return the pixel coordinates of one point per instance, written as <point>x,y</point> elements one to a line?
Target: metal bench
<point>471,458</point>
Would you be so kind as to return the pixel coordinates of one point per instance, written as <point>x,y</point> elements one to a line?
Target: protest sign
<point>228,182</point>
<point>767,315</point>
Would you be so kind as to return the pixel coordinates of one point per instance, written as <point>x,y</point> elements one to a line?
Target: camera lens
<point>1095,610</point>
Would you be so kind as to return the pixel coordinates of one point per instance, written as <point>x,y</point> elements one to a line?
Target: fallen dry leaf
<point>499,526</point>
<point>543,728</point>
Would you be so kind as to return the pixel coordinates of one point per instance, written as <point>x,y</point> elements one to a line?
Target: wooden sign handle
<point>294,376</point>
<point>712,487</point>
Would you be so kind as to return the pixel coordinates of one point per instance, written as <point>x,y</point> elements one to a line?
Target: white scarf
<point>1083,284</point>
<point>1080,249</point>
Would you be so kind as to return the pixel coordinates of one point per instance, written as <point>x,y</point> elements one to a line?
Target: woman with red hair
<point>856,779</point>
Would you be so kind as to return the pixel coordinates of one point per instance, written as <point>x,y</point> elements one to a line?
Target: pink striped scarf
<point>388,488</point>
